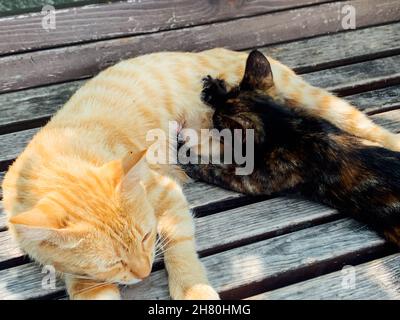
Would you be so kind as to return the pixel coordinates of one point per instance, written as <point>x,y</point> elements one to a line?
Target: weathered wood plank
<point>199,194</point>
<point>19,109</point>
<point>9,249</point>
<point>3,218</point>
<point>127,18</point>
<point>263,263</point>
<point>25,282</point>
<point>375,280</point>
<point>390,120</point>
<point>80,61</point>
<point>13,143</point>
<point>2,173</point>
<point>266,263</point>
<point>333,50</point>
<point>377,100</point>
<point>32,107</point>
<point>261,220</point>
<point>359,76</point>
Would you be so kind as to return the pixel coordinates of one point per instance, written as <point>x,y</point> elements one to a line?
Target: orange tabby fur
<point>77,199</point>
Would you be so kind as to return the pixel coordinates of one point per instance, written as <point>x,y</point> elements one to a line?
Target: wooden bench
<point>256,248</point>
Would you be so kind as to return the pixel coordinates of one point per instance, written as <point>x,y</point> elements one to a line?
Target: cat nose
<point>143,273</point>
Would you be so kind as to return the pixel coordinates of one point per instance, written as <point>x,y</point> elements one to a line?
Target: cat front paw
<point>201,292</point>
<point>196,292</point>
<point>214,91</point>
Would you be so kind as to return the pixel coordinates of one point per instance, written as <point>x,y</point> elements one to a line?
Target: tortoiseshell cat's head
<point>243,106</point>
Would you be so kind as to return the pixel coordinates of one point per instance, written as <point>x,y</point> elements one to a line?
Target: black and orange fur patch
<point>298,152</point>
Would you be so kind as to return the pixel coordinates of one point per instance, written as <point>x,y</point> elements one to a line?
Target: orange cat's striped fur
<point>79,200</point>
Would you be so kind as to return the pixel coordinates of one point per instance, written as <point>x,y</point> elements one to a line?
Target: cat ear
<point>117,170</point>
<point>135,169</point>
<point>43,222</point>
<point>258,73</point>
<point>134,161</point>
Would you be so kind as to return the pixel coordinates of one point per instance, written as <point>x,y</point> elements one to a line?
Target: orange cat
<point>82,197</point>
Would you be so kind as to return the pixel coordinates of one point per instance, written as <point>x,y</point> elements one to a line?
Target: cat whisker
<point>79,276</point>
<point>98,285</point>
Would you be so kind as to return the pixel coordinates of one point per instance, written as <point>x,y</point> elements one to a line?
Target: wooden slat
<point>333,50</point>
<point>356,77</point>
<point>3,218</point>
<point>105,21</point>
<point>32,107</point>
<point>9,249</point>
<point>342,78</point>
<point>2,174</point>
<point>198,195</point>
<point>24,282</point>
<point>377,100</point>
<point>80,61</point>
<point>265,219</point>
<point>264,264</point>
<point>390,120</point>
<point>12,144</point>
<point>375,280</point>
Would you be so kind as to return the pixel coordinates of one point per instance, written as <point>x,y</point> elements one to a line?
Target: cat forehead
<point>250,101</point>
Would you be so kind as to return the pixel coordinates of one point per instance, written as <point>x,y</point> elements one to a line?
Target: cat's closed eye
<point>147,236</point>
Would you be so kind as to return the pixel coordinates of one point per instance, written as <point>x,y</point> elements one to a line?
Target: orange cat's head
<point>99,225</point>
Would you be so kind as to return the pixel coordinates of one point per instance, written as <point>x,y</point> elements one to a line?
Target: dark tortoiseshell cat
<point>298,152</point>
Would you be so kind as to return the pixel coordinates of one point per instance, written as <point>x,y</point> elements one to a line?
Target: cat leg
<point>86,289</point>
<point>320,102</point>
<point>186,274</point>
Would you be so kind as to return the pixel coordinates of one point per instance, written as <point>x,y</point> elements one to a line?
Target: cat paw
<point>214,90</point>
<point>198,292</point>
<point>201,292</point>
